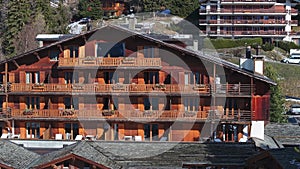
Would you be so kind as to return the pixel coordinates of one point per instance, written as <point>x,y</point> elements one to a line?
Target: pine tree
<point>277,99</point>
<point>59,19</point>
<point>178,7</point>
<point>90,9</point>
<point>18,16</point>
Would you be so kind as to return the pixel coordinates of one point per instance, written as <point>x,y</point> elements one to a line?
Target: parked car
<point>294,120</point>
<point>293,59</point>
<point>294,110</point>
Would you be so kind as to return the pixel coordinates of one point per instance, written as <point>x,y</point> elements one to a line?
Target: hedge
<point>287,45</point>
<point>232,43</point>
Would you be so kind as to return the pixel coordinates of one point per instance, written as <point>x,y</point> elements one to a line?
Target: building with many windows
<point>269,19</point>
<point>115,84</point>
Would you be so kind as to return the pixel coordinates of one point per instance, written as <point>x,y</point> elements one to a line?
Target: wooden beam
<point>60,47</point>
<point>37,55</point>
<point>84,38</point>
<point>15,62</point>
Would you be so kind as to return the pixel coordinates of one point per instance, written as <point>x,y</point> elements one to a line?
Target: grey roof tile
<point>15,156</point>
<point>285,133</point>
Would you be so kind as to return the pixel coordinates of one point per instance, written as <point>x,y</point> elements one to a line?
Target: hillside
<point>289,73</point>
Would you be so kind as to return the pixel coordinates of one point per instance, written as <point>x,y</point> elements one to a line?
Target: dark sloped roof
<point>284,133</point>
<point>156,154</point>
<point>82,149</point>
<point>166,154</point>
<point>208,58</point>
<point>15,156</point>
<point>286,157</point>
<point>267,143</point>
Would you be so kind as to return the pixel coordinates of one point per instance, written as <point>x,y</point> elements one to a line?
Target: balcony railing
<point>246,33</point>
<point>245,10</point>
<point>247,21</point>
<point>110,62</point>
<point>236,89</point>
<point>248,1</point>
<point>5,113</point>
<point>168,115</point>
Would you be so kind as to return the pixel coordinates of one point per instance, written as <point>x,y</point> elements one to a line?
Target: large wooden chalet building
<point>114,84</point>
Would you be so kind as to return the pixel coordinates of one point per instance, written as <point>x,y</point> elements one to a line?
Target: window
<point>191,104</point>
<point>32,130</point>
<point>32,77</point>
<point>111,77</point>
<point>32,103</point>
<point>116,131</point>
<point>54,54</point>
<point>230,132</point>
<point>71,103</point>
<point>186,78</point>
<point>109,102</point>
<point>151,77</point>
<point>71,130</point>
<point>151,103</point>
<point>73,51</point>
<point>114,50</point>
<point>149,52</point>
<point>71,77</point>
<point>1,78</point>
<point>151,132</point>
<point>197,77</point>
<point>1,102</point>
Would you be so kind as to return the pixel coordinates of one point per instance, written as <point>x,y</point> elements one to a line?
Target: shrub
<point>232,43</point>
<point>287,45</point>
<point>267,47</point>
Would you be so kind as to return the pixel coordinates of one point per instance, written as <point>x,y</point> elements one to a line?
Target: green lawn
<point>290,78</point>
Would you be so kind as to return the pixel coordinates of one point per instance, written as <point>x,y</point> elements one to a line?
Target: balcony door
<point>32,130</point>
<point>151,132</point>
<point>32,77</point>
<point>32,103</point>
<point>71,77</point>
<point>71,103</point>
<point>111,77</point>
<point>151,77</point>
<point>71,130</point>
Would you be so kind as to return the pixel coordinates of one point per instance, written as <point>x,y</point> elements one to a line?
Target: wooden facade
<point>132,90</point>
<point>113,8</point>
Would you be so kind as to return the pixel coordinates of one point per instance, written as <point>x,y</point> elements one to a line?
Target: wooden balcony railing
<point>169,115</point>
<point>235,89</point>
<point>5,113</point>
<point>110,62</point>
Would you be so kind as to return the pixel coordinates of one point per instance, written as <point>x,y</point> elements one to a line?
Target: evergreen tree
<point>59,19</point>
<point>90,8</point>
<point>18,16</point>
<point>277,98</point>
<point>178,7</point>
<point>153,5</point>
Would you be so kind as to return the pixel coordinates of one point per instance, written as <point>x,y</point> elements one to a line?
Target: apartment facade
<point>269,19</point>
<point>114,84</point>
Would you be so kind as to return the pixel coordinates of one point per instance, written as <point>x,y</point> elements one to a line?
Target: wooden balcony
<point>110,62</point>
<point>5,113</point>
<point>233,89</point>
<point>136,115</point>
<point>206,89</point>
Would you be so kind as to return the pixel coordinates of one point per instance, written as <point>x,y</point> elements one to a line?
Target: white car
<point>292,59</point>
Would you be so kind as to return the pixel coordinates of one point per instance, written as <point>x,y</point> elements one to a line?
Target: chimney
<point>132,22</point>
<point>195,45</point>
<point>253,63</point>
